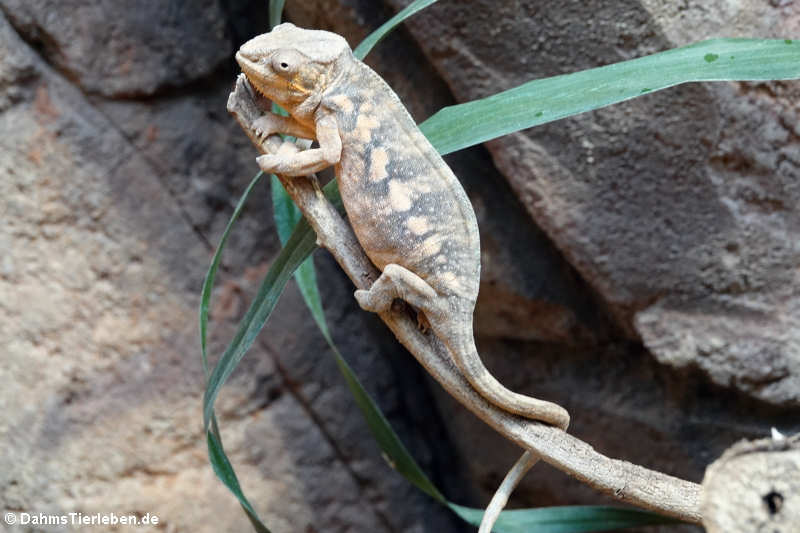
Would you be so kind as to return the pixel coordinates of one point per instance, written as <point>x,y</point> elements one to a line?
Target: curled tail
<point>462,348</point>
<point>463,351</point>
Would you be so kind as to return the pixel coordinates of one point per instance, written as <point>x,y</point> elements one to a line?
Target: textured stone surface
<point>134,50</point>
<point>666,236</point>
<point>108,207</point>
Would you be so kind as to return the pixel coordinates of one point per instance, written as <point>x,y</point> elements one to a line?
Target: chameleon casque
<point>407,208</point>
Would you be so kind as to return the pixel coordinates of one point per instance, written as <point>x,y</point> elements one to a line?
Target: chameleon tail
<point>469,362</point>
<point>466,357</point>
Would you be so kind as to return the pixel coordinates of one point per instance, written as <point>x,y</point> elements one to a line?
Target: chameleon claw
<point>422,322</point>
<point>363,299</point>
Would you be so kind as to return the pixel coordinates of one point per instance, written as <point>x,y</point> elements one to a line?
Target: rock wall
<point>639,263</point>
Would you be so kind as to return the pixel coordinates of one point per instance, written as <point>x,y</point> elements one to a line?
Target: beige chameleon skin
<point>407,209</point>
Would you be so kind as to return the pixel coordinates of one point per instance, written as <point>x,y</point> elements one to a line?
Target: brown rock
<point>100,272</point>
<point>134,49</point>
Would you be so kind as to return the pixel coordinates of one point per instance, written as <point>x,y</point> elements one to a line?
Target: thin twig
<point>625,481</point>
<point>504,491</point>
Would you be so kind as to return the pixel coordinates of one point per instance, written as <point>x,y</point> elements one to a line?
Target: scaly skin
<point>407,209</point>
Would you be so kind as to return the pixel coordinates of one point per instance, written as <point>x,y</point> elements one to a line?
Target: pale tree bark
<point>754,486</point>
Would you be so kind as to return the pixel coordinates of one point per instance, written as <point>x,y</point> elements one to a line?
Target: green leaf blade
<point>284,212</point>
<point>297,249</point>
<point>376,36</point>
<point>275,12</point>
<point>208,281</point>
<point>286,216</point>
<point>393,448</point>
<point>566,519</point>
<point>544,100</point>
<point>224,471</point>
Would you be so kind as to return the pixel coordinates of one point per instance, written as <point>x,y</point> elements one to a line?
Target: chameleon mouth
<point>255,87</point>
<point>249,69</point>
<point>261,83</point>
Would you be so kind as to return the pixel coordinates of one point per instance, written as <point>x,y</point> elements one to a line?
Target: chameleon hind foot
<point>396,282</point>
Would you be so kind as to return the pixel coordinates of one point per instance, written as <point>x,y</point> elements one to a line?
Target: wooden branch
<point>625,481</point>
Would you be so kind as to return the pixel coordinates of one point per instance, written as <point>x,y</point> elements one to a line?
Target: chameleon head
<point>292,66</point>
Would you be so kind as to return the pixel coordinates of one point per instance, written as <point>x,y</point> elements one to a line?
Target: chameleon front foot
<point>270,164</point>
<point>279,162</point>
<point>266,125</point>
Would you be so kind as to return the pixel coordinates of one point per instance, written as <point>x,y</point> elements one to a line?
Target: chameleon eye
<point>285,62</point>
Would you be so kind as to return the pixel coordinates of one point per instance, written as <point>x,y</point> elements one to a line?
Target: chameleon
<point>407,209</point>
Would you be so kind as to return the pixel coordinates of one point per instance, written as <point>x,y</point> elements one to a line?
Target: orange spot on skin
<point>451,280</point>
<point>364,126</point>
<point>417,225</point>
<point>431,246</point>
<point>344,103</point>
<point>35,155</point>
<point>377,167</point>
<point>399,196</point>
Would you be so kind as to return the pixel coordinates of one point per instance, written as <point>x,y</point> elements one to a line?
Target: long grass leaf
<point>567,519</point>
<point>222,467</point>
<point>548,99</point>
<point>375,37</point>
<point>383,433</point>
<point>287,215</point>
<point>394,450</point>
<point>219,461</point>
<point>275,12</point>
<point>298,247</point>
<point>208,281</point>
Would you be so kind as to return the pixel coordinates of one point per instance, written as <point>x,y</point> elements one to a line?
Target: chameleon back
<point>405,204</point>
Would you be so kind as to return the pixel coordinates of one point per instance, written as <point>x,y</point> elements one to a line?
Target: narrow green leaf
<point>298,247</point>
<point>540,101</point>
<point>275,12</point>
<point>224,470</point>
<point>222,467</point>
<point>287,215</point>
<point>567,519</point>
<point>376,36</point>
<point>219,460</point>
<point>208,282</point>
<point>394,450</point>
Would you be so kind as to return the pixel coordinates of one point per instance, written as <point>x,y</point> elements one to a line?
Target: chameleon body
<point>407,209</point>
